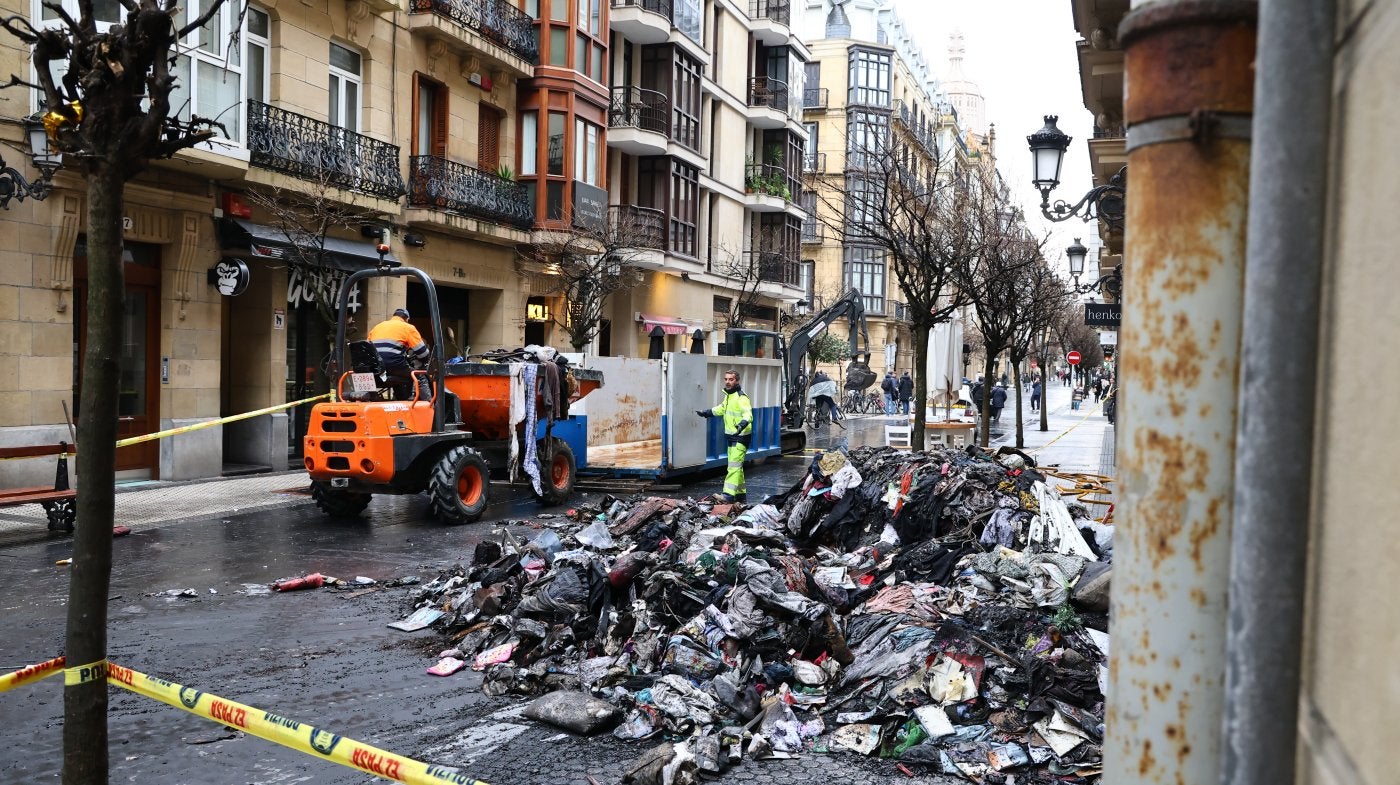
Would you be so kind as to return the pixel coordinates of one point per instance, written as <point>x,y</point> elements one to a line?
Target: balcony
<point>640,233</point>
<point>768,102</point>
<point>297,145</point>
<point>444,185</point>
<point>816,98</point>
<point>770,21</point>
<point>494,28</point>
<point>813,232</point>
<point>768,189</point>
<point>642,21</point>
<point>922,133</point>
<point>814,163</point>
<point>639,121</point>
<point>776,267</point>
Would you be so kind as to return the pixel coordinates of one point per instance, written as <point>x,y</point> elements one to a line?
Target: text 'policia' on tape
<point>265,725</point>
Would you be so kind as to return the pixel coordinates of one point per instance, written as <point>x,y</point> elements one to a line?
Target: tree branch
<point>214,6</point>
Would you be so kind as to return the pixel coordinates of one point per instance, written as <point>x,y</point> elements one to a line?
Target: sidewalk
<point>1082,439</point>
<point>151,503</point>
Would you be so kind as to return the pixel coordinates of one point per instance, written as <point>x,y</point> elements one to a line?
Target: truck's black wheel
<point>459,486</point>
<point>61,514</point>
<point>558,474</point>
<point>339,504</point>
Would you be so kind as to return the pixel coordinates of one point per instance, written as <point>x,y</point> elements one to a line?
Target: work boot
<point>722,498</point>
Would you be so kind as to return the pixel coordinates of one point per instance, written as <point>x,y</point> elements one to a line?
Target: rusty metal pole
<point>1189,87</point>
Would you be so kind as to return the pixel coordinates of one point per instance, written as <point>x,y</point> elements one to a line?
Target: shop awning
<point>670,325</point>
<point>269,242</point>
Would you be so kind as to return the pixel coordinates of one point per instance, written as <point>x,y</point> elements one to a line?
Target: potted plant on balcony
<point>504,172</point>
<point>751,177</point>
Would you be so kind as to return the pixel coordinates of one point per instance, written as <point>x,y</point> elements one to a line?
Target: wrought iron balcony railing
<point>769,92</point>
<point>813,231</point>
<point>662,7</point>
<point>813,163</point>
<point>495,20</point>
<point>457,188</point>
<point>919,130</point>
<point>635,107</point>
<point>312,149</point>
<point>776,267</point>
<point>779,11</point>
<point>638,227</point>
<point>815,97</point>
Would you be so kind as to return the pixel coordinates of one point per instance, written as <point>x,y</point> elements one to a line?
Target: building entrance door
<point>308,354</point>
<point>138,354</point>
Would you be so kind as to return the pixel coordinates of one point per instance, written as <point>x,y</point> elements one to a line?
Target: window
<point>345,84</point>
<point>869,78</point>
<point>867,137</point>
<point>687,16</point>
<point>807,281</point>
<point>589,17</point>
<point>814,75</point>
<point>587,137</point>
<point>862,204</point>
<point>865,270</point>
<point>529,142</point>
<point>811,230</point>
<point>555,154</point>
<point>257,44</point>
<point>429,117</point>
<point>488,138</point>
<point>685,100</point>
<point>685,208</point>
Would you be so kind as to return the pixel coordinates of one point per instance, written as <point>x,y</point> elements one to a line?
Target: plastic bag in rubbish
<point>596,536</point>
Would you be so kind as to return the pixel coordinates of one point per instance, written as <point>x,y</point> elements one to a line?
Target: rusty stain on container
<point>1187,204</point>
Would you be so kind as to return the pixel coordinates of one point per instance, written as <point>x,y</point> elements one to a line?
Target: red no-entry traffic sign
<point>1074,358</point>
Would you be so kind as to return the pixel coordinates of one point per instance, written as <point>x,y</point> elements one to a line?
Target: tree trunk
<point>1020,426</point>
<point>1044,389</point>
<point>85,705</point>
<point>989,366</point>
<point>921,331</point>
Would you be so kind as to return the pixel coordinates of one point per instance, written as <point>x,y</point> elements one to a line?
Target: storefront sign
<point>590,207</point>
<point>300,290</point>
<point>230,276</point>
<point>1103,314</point>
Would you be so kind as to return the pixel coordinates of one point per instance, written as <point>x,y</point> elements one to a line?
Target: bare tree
<point>306,216</point>
<point>1043,300</point>
<point>928,222</point>
<point>997,282</point>
<point>747,274</point>
<point>111,113</point>
<point>589,264</point>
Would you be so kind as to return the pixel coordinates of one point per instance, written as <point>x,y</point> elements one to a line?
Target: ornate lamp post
<point>46,159</point>
<point>1111,283</point>
<point>1048,146</point>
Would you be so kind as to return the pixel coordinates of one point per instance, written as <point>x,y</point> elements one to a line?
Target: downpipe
<point>1273,500</point>
<point>1189,89</point>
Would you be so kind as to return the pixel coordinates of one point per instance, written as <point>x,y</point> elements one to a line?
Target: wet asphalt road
<point>323,657</point>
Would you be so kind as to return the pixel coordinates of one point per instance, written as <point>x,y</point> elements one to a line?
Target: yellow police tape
<point>82,674</point>
<point>73,449</point>
<point>221,421</point>
<point>289,733</point>
<point>31,673</point>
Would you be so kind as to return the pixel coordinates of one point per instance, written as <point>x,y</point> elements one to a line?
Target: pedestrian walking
<point>737,411</point>
<point>906,392</point>
<point>889,386</point>
<point>1035,395</point>
<point>998,401</point>
<point>979,391</point>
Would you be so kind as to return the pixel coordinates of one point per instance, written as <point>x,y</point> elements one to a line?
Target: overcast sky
<point>1022,54</point>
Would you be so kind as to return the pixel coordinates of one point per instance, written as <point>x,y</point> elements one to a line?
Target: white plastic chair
<point>899,436</point>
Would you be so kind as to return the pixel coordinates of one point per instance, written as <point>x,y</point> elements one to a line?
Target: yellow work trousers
<point>734,480</point>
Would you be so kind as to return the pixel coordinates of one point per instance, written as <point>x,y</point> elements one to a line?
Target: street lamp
<point>1048,146</point>
<point>1111,283</point>
<point>45,158</point>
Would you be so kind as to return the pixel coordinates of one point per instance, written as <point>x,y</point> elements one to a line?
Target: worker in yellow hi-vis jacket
<point>737,411</point>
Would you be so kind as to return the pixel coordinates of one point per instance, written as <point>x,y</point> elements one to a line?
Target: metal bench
<point>60,501</point>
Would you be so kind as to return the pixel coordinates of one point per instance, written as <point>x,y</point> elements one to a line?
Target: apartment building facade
<point>870,92</point>
<point>459,131</point>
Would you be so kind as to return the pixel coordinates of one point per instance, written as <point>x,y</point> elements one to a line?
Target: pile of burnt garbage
<point>943,610</point>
